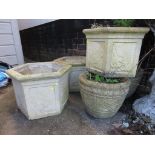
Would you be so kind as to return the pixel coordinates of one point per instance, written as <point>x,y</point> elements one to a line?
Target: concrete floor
<point>73,120</point>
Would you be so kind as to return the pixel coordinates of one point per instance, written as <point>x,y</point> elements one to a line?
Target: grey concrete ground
<point>73,120</point>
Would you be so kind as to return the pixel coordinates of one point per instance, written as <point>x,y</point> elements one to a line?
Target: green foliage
<point>102,79</point>
<point>124,22</point>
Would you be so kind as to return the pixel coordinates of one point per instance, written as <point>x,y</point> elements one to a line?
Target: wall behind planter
<point>149,61</point>
<point>55,39</point>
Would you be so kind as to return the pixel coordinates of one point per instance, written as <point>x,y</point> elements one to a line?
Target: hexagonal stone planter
<point>114,50</point>
<point>41,89</point>
<point>78,66</point>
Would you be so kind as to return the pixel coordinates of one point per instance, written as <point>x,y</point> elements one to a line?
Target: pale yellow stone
<point>114,50</point>
<point>41,89</point>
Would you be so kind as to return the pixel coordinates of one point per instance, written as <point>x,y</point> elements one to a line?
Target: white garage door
<point>10,43</point>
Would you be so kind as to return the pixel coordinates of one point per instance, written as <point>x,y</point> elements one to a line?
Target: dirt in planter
<point>38,69</point>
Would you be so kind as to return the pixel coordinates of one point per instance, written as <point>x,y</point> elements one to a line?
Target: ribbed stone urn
<point>102,100</point>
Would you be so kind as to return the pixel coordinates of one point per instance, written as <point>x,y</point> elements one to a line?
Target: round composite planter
<point>135,82</point>
<point>78,66</point>
<point>102,100</point>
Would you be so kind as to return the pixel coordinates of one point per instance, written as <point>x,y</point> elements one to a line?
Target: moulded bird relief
<point>120,62</point>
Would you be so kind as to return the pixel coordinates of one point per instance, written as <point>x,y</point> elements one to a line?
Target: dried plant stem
<point>140,61</point>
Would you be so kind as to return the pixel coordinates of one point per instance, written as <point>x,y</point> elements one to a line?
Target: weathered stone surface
<point>146,104</point>
<point>114,50</point>
<point>102,100</point>
<point>41,89</point>
<point>78,66</point>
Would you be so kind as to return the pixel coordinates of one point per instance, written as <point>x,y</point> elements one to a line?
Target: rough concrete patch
<point>72,121</point>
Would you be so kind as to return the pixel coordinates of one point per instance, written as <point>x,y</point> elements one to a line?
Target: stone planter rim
<point>13,73</point>
<point>95,84</point>
<point>116,30</point>
<point>77,62</point>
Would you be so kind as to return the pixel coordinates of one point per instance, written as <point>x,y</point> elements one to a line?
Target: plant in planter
<point>114,51</point>
<point>124,22</point>
<point>103,96</point>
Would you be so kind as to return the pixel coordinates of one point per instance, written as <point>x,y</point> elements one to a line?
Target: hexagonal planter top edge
<point>18,74</point>
<point>72,60</point>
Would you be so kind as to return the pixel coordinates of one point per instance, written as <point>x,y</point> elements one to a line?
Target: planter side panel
<point>42,98</point>
<point>96,54</point>
<point>63,90</point>
<point>20,96</point>
<point>123,56</point>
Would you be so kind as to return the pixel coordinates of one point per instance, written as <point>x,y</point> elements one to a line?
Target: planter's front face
<point>114,51</point>
<point>42,96</point>
<point>78,67</point>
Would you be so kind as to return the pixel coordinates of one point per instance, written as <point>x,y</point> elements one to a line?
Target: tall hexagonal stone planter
<point>41,89</point>
<point>114,50</point>
<point>78,66</point>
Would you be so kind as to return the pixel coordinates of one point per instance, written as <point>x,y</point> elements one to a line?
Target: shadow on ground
<point>72,121</point>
